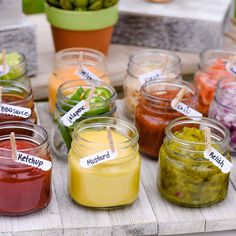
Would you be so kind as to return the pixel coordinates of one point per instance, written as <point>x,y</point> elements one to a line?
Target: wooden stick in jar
<point>4,63</point>
<point>13,145</point>
<point>110,139</point>
<point>179,96</point>
<point>207,133</point>
<point>163,65</point>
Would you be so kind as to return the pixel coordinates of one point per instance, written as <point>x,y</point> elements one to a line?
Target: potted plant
<point>82,23</point>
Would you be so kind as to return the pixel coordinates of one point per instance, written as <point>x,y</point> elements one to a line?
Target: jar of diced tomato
<point>213,67</point>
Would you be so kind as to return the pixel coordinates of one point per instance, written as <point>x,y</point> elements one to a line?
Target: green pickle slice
<point>187,178</point>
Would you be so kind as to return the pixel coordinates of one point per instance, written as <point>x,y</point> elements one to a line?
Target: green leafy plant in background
<point>82,5</point>
<point>33,6</point>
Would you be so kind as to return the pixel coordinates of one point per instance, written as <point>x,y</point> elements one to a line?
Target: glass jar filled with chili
<point>17,102</point>
<point>24,188</point>
<point>154,111</point>
<point>144,66</point>
<point>185,176</point>
<point>214,65</point>
<point>74,64</point>
<point>70,95</point>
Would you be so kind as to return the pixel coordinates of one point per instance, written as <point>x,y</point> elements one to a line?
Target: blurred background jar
<point>17,67</point>
<point>212,68</point>
<point>185,176</point>
<point>23,189</point>
<point>102,103</point>
<point>67,65</point>
<point>223,107</point>
<point>111,184</point>
<point>154,111</point>
<point>143,62</point>
<point>18,94</point>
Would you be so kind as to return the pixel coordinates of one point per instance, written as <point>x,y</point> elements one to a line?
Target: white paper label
<point>231,67</point>
<point>75,113</point>
<point>87,74</point>
<point>98,158</point>
<point>11,110</point>
<point>33,161</point>
<point>4,72</point>
<point>218,160</point>
<point>186,110</point>
<point>150,76</point>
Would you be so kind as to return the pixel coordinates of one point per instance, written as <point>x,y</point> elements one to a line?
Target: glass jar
<point>185,176</point>
<point>69,94</point>
<point>154,111</point>
<point>69,62</point>
<point>17,67</point>
<point>114,183</point>
<point>223,107</point>
<point>212,68</point>
<point>141,63</point>
<point>20,95</point>
<point>23,189</point>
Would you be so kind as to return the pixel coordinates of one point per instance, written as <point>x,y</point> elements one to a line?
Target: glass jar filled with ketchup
<point>17,102</point>
<point>154,111</point>
<point>25,179</point>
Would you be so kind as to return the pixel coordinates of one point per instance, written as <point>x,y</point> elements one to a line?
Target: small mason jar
<point>23,189</point>
<point>223,107</point>
<point>211,69</point>
<point>17,67</point>
<point>154,111</point>
<point>141,63</point>
<point>102,103</point>
<point>185,176</point>
<point>111,184</point>
<point>20,95</point>
<point>67,65</point>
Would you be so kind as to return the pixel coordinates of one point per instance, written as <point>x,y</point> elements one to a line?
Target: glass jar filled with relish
<point>223,107</point>
<point>213,67</point>
<point>69,65</point>
<point>144,66</point>
<point>99,177</point>
<point>17,102</point>
<point>70,95</point>
<point>24,188</point>
<point>154,111</point>
<point>185,176</point>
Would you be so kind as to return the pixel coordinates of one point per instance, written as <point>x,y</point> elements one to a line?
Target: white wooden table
<point>149,215</point>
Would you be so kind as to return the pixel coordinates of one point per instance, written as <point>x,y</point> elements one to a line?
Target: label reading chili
<point>75,113</point>
<point>11,110</point>
<point>218,160</point>
<point>186,110</point>
<point>87,74</point>
<point>4,72</point>
<point>231,67</point>
<point>98,158</point>
<point>150,76</point>
<point>33,161</point>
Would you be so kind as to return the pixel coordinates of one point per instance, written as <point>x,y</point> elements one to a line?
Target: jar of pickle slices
<point>154,111</point>
<point>24,188</point>
<point>99,177</point>
<point>212,68</point>
<point>72,93</point>
<point>223,107</point>
<point>144,66</point>
<point>74,64</point>
<point>17,102</point>
<point>185,176</point>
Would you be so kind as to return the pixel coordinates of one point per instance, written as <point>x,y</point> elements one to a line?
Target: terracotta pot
<point>90,29</point>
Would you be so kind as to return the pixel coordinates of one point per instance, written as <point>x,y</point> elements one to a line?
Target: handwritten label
<point>231,67</point>
<point>75,113</point>
<point>87,74</point>
<point>4,72</point>
<point>98,158</point>
<point>150,76</point>
<point>218,160</point>
<point>11,110</point>
<point>186,110</point>
<point>33,161</point>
